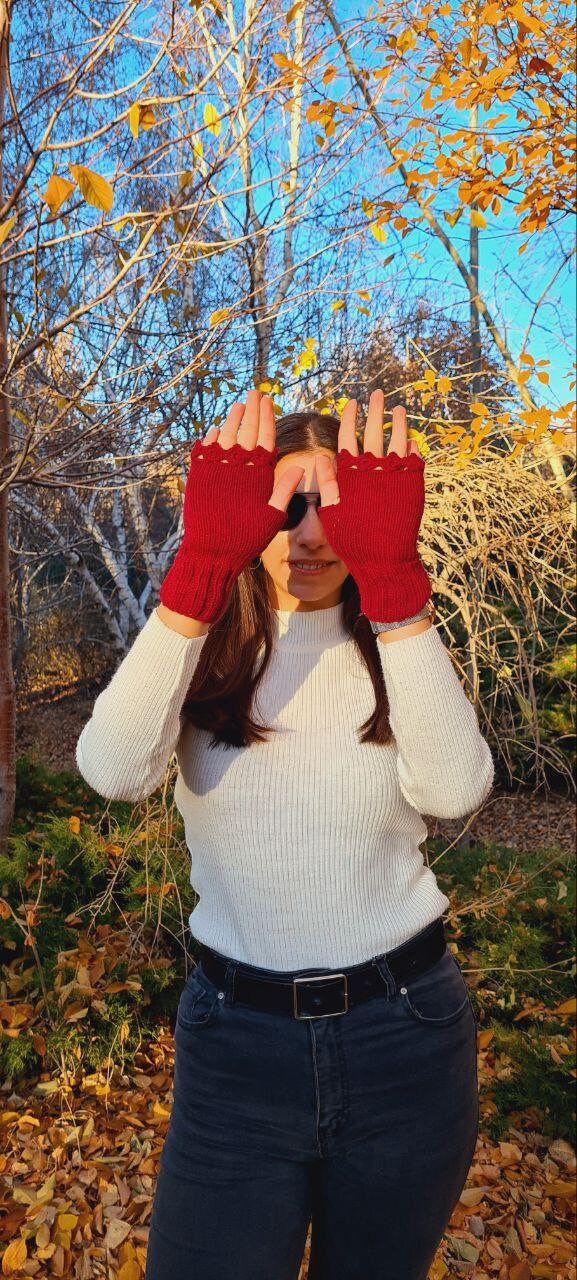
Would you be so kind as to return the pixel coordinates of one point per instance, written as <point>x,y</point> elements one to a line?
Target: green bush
<point>93,924</point>
<point>516,941</point>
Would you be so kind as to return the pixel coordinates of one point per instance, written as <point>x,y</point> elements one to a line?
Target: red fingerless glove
<point>374,529</point>
<point>227,521</point>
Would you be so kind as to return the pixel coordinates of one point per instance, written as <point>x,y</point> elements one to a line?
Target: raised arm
<point>232,508</point>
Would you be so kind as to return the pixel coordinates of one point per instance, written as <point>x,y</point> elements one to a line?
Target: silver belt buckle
<point>322,977</point>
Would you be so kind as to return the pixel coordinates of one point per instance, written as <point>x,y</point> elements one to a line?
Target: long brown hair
<point>220,695</point>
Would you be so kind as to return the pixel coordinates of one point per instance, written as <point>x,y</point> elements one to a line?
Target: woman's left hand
<point>372,509</point>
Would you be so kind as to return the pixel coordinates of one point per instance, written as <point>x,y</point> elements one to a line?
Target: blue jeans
<point>364,1122</point>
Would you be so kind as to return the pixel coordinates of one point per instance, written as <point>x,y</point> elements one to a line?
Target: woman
<point>325,1044</point>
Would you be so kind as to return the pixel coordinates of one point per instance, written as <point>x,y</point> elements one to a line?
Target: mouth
<point>310,567</point>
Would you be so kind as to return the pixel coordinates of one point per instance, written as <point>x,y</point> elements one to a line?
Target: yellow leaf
<point>472,1196</point>
<point>95,189</point>
<point>67,1221</point>
<point>568,1006</point>
<point>62,1238</point>
<point>526,19</point>
<point>363,293</point>
<point>566,1190</point>
<point>211,118</point>
<point>57,191</point>
<point>479,409</point>
<point>197,149</point>
<point>420,440</point>
<point>438,1270</point>
<point>74,824</point>
<point>429,377</point>
<point>406,40</point>
<point>14,1257</point>
<point>147,117</point>
<point>466,48</point>
<point>6,227</point>
<point>336,306</point>
<point>75,1011</point>
<point>129,1270</point>
<point>443,386</point>
<point>134,119</point>
<point>543,106</point>
<point>478,219</point>
<point>43,1235</point>
<point>218,316</point>
<point>379,233</point>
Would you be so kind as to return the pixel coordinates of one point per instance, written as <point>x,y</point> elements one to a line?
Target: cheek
<point>277,551</point>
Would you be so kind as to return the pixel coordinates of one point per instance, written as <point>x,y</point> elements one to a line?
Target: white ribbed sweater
<point>305,848</point>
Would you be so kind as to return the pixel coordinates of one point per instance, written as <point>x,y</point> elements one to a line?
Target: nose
<point>310,532</point>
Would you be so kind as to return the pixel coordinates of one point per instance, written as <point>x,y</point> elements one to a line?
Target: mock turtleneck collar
<point>309,627</point>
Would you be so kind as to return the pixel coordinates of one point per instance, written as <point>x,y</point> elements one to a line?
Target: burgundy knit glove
<point>227,521</point>
<point>374,529</point>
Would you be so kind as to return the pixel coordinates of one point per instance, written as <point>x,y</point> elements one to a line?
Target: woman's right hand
<point>232,508</point>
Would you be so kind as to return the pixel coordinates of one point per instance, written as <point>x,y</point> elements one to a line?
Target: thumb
<point>285,487</point>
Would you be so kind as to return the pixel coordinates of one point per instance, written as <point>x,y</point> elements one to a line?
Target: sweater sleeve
<point>444,765</point>
<point>125,747</point>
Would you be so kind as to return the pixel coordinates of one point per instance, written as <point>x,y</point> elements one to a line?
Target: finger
<point>327,480</point>
<point>347,438</point>
<point>373,437</point>
<point>248,430</point>
<point>399,432</point>
<point>285,487</point>
<point>227,433</point>
<point>210,436</point>
<point>266,425</point>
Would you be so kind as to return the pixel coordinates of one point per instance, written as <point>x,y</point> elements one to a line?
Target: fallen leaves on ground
<point>80,1159</point>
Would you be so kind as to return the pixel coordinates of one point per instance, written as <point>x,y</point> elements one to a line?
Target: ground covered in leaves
<point>79,1161</point>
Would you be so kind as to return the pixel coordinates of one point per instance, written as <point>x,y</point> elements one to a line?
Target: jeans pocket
<point>199,1001</point>
<point>439,997</point>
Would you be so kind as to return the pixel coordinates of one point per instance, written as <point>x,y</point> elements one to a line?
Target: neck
<point>315,628</point>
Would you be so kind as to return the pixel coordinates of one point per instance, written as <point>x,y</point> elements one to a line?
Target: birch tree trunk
<point>7,689</point>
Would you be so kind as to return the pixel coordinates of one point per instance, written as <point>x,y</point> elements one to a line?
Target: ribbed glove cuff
<point>399,592</point>
<point>197,589</point>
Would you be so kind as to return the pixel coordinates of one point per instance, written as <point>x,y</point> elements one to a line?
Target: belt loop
<point>228,983</point>
<point>380,963</point>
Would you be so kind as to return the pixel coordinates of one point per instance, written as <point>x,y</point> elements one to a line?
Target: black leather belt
<point>323,993</point>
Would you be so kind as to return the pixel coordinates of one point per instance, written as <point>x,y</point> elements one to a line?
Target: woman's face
<point>288,587</point>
